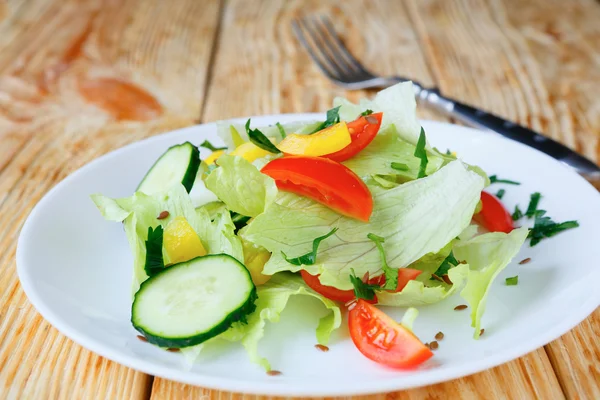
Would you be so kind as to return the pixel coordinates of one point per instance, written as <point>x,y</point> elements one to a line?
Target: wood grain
<point>275,75</point>
<point>112,73</point>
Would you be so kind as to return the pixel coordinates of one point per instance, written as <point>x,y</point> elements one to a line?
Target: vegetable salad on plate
<point>356,210</point>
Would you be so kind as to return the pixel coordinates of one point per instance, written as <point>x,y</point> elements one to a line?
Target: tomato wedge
<point>362,132</point>
<point>493,216</point>
<point>325,181</point>
<point>383,340</point>
<point>330,292</point>
<point>404,275</point>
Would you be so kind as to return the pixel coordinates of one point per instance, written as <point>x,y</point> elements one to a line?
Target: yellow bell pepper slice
<point>255,259</point>
<point>181,242</point>
<point>249,151</point>
<point>326,141</point>
<point>213,156</point>
<point>235,136</point>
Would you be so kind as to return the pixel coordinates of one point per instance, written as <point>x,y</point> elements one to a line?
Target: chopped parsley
<point>544,227</point>
<point>512,281</point>
<point>333,117</point>
<point>362,290</point>
<point>399,166</point>
<point>500,193</point>
<point>518,214</point>
<point>311,257</point>
<point>260,140</point>
<point>366,112</point>
<point>154,257</point>
<point>281,130</point>
<point>445,266</point>
<point>391,274</point>
<point>494,179</point>
<point>421,153</point>
<point>533,203</point>
<point>208,145</point>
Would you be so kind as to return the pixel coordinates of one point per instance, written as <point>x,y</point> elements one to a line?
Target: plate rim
<point>294,387</point>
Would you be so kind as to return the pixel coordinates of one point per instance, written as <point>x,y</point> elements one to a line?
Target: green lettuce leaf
<point>418,293</point>
<point>488,255</point>
<point>272,300</point>
<point>139,212</point>
<point>415,218</point>
<point>376,159</point>
<point>398,106</point>
<point>241,186</point>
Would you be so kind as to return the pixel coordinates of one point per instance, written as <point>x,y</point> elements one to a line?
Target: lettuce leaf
<point>241,186</point>
<point>418,293</point>
<point>488,255</point>
<point>377,158</point>
<point>398,106</point>
<point>140,211</point>
<point>415,218</point>
<point>272,300</point>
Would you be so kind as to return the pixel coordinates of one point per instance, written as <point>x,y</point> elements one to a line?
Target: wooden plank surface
<point>78,79</point>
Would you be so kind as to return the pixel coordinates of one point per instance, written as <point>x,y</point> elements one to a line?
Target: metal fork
<point>318,37</point>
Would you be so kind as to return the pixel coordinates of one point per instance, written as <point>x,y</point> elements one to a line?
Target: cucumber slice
<point>191,302</point>
<point>179,164</point>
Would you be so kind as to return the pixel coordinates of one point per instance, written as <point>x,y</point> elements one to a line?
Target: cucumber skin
<point>238,315</point>
<point>190,174</point>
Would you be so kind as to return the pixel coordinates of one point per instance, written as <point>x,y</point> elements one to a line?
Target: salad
<point>358,210</point>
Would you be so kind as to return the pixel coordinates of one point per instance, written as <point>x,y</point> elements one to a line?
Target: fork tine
<point>329,50</point>
<point>299,26</point>
<point>342,48</point>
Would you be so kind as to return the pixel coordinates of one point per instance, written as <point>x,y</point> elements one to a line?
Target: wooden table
<point>81,78</point>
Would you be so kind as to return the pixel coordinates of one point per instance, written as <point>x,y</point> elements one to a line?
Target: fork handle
<point>484,120</point>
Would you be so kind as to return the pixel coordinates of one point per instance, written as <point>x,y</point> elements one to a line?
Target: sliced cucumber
<point>191,302</point>
<point>179,164</point>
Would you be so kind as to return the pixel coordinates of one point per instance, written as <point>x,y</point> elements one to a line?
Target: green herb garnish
<point>400,166</point>
<point>260,140</point>
<point>366,112</point>
<point>208,145</point>
<point>544,227</point>
<point>309,258</point>
<point>445,266</point>
<point>362,290</point>
<point>512,281</point>
<point>154,257</point>
<point>518,214</point>
<point>500,193</point>
<point>281,130</point>
<point>533,203</point>
<point>494,179</point>
<point>421,153</point>
<point>333,117</point>
<point>391,274</point>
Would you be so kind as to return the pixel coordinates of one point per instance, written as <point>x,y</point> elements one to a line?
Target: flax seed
<point>322,348</point>
<point>525,261</point>
<point>460,307</point>
<point>163,215</point>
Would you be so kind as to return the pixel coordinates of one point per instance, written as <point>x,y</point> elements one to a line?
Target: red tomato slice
<point>330,292</point>
<point>362,132</point>
<point>325,181</point>
<point>404,275</point>
<point>493,216</point>
<point>381,339</point>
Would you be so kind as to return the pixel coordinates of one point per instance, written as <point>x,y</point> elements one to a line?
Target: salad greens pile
<point>423,205</point>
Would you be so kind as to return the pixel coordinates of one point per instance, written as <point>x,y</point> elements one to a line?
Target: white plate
<point>76,270</point>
